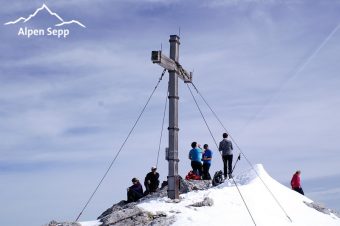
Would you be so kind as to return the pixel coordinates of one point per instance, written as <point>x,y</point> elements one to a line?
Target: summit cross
<point>175,71</point>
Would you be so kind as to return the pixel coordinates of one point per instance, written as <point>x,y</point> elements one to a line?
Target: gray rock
<point>126,214</point>
<point>136,216</point>
<point>116,207</point>
<point>194,185</point>
<point>206,202</point>
<point>336,213</point>
<point>162,221</point>
<point>55,223</point>
<point>118,216</point>
<point>321,208</point>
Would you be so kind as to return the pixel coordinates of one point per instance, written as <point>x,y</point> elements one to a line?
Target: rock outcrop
<point>321,208</point>
<point>206,202</point>
<point>55,223</point>
<point>128,214</point>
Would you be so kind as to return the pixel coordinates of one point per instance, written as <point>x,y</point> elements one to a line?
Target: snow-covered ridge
<point>225,206</point>
<point>229,209</point>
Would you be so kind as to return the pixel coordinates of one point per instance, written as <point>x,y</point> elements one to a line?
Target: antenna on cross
<point>179,31</point>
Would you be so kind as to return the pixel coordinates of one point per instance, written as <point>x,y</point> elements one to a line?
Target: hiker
<point>195,155</point>
<point>207,156</point>
<point>151,181</point>
<point>134,192</point>
<point>226,148</point>
<point>296,184</point>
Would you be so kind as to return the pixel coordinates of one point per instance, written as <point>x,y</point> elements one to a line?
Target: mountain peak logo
<point>49,31</point>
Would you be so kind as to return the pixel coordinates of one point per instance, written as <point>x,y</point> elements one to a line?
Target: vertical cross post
<point>173,180</point>
<point>175,71</point>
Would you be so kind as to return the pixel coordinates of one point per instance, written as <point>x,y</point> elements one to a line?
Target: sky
<point>268,68</point>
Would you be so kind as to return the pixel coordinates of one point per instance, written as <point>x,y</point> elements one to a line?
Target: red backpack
<point>192,176</point>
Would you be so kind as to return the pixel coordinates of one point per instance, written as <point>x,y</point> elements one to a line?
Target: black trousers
<point>196,167</point>
<point>299,190</point>
<point>228,164</point>
<point>152,187</point>
<point>133,196</point>
<point>206,174</point>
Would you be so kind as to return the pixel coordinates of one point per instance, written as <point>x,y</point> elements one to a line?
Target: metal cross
<point>175,71</point>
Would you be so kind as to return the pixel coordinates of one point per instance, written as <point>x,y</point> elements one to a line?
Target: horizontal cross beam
<point>158,58</point>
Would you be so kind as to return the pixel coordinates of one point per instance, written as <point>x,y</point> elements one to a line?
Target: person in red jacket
<point>296,184</point>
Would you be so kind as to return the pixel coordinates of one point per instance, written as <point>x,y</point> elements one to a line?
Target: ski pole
<point>238,158</point>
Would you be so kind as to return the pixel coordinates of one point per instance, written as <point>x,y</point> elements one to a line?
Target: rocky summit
<point>129,214</point>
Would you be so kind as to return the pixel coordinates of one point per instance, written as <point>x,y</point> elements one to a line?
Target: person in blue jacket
<point>195,155</point>
<point>207,156</point>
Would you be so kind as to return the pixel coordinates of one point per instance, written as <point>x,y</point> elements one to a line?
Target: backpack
<point>192,176</point>
<point>218,178</point>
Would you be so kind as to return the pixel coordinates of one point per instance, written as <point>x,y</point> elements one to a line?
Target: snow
<point>229,209</point>
<point>91,223</point>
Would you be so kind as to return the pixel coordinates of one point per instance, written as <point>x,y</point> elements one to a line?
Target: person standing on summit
<point>296,182</point>
<point>226,148</point>
<point>206,157</point>
<point>195,155</point>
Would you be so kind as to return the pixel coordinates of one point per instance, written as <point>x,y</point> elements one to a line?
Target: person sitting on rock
<point>134,192</point>
<point>151,181</point>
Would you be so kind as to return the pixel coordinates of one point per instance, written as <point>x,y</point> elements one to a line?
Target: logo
<point>57,30</point>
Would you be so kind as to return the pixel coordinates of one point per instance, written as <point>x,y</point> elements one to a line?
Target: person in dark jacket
<point>134,192</point>
<point>151,181</point>
<point>296,183</point>
<point>226,148</point>
<point>207,156</point>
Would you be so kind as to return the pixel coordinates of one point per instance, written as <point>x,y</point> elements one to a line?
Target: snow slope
<point>228,208</point>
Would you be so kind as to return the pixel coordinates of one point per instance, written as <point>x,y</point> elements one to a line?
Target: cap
<point>134,180</point>
<point>153,168</point>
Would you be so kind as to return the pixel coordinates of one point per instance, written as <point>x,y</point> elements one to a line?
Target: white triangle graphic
<point>44,6</point>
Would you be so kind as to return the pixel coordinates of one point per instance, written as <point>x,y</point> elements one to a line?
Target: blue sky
<point>268,68</point>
